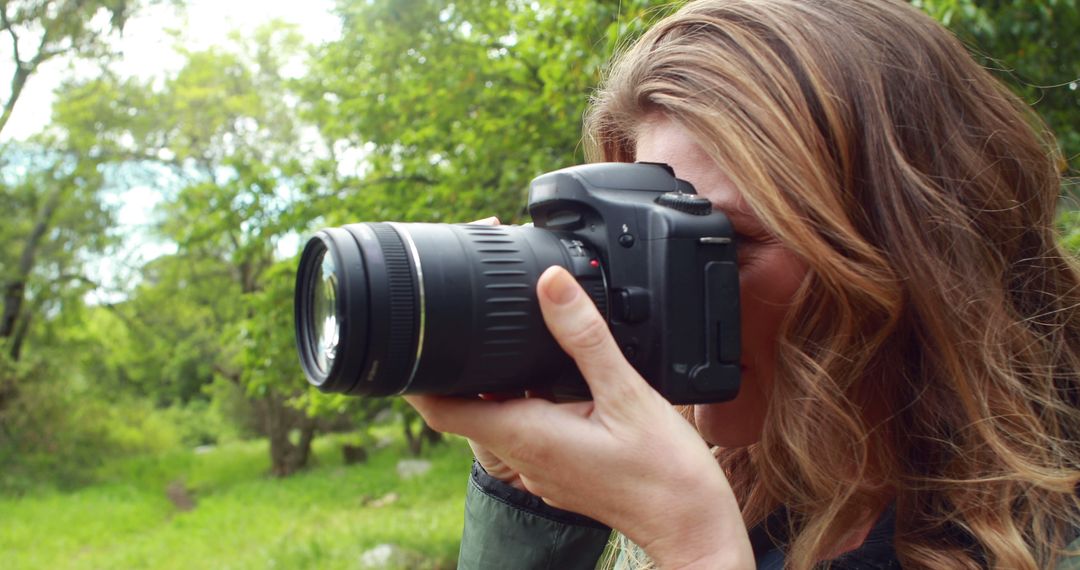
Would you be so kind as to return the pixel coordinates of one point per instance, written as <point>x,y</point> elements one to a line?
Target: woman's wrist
<point>714,550</point>
<point>704,532</point>
<point>713,558</point>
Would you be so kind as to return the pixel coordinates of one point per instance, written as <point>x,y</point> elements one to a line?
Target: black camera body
<point>393,308</point>
<point>669,260</point>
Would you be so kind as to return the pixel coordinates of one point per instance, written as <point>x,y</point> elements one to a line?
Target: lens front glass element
<point>324,314</point>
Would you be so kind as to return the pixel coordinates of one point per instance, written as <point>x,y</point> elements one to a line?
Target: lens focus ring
<point>402,302</point>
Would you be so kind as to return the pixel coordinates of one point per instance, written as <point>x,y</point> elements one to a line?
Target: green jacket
<point>1072,562</point>
<point>507,528</point>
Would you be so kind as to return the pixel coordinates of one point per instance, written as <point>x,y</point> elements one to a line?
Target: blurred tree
<point>1034,46</point>
<point>164,339</point>
<point>43,30</point>
<point>40,31</point>
<point>231,121</point>
<point>56,219</point>
<point>447,110</point>
<point>225,128</point>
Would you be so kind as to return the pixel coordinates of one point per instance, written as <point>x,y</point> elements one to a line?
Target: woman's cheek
<point>738,422</point>
<point>769,277</point>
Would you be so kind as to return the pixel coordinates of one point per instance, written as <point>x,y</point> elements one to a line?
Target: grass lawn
<point>324,517</point>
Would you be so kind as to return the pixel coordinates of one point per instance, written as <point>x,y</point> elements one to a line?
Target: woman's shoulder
<point>1071,562</point>
<point>877,551</point>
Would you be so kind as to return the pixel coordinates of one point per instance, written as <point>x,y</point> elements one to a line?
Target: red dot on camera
<point>594,263</point>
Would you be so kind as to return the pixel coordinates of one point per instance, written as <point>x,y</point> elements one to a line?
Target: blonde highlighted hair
<point>931,357</point>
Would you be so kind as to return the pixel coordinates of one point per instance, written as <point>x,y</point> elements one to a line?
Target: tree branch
<point>22,70</point>
<point>74,277</point>
<point>14,293</point>
<point>414,178</point>
<point>230,375</point>
<point>11,31</point>
<point>133,324</point>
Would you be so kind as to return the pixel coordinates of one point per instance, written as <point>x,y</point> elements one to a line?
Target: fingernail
<point>560,287</point>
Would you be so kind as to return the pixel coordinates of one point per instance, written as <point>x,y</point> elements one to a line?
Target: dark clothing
<point>876,552</point>
<point>507,528</point>
<point>1071,562</point>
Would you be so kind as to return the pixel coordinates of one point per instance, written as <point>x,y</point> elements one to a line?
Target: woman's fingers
<point>575,323</point>
<point>488,423</point>
<point>447,414</point>
<point>502,426</point>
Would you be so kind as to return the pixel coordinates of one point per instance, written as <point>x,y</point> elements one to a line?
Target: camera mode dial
<point>683,202</point>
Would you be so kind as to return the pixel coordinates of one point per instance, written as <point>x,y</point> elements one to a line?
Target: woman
<point>910,325</point>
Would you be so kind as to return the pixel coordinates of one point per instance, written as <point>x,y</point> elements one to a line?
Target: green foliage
<point>50,187</point>
<point>172,322</point>
<point>54,221</point>
<point>1069,223</point>
<point>58,430</point>
<point>267,354</point>
<point>322,518</point>
<point>222,128</point>
<point>1032,46</point>
<point>229,402</point>
<point>454,108</point>
<point>219,308</point>
<point>41,30</point>
<point>201,423</point>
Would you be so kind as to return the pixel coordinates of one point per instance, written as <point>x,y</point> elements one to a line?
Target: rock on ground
<point>409,468</point>
<point>392,556</point>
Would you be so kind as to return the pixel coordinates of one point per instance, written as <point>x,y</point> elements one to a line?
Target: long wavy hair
<point>932,354</point>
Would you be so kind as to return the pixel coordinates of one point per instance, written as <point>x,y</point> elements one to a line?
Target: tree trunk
<point>18,82</point>
<point>433,437</point>
<point>15,291</point>
<point>20,335</point>
<point>13,298</point>
<point>279,419</point>
<point>416,443</point>
<point>415,438</point>
<point>8,391</point>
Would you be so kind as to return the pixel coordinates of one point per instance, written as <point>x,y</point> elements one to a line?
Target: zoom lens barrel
<point>389,308</point>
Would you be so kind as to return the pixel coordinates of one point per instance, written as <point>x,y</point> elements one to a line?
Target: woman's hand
<point>488,460</point>
<point>627,458</point>
<point>491,462</point>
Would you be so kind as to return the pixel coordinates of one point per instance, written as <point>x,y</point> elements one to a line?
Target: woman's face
<point>769,275</point>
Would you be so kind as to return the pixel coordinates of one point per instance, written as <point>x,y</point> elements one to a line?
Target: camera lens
<point>389,308</point>
<point>324,313</point>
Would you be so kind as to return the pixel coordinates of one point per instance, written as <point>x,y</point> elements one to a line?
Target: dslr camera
<point>388,308</point>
